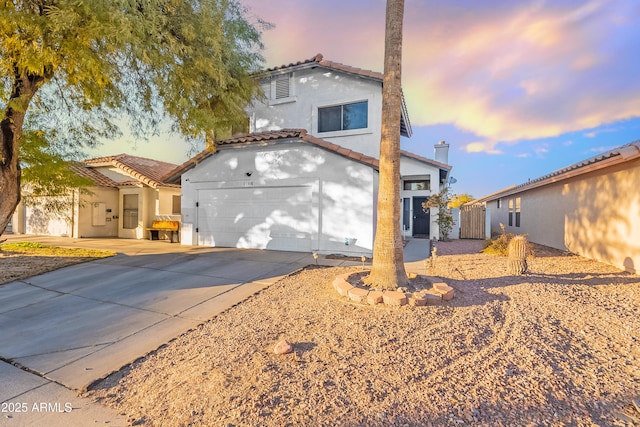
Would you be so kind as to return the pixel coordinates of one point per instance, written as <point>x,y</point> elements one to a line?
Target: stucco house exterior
<point>127,195</point>
<point>306,176</point>
<point>591,208</point>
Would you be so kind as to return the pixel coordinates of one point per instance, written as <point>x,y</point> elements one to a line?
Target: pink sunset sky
<point>533,84</point>
<point>517,88</point>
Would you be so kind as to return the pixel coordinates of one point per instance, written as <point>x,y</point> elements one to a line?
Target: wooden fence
<point>472,221</point>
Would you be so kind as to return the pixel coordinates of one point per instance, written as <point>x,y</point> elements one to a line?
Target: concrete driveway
<point>80,323</point>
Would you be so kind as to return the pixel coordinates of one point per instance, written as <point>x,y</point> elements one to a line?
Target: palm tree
<point>388,261</point>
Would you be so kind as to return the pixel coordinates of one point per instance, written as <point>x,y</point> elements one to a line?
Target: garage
<point>277,218</point>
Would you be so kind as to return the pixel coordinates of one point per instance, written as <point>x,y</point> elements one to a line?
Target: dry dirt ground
<point>559,346</point>
<point>18,262</point>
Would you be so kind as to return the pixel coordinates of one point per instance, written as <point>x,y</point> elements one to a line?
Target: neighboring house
<point>306,177</point>
<point>127,194</point>
<point>591,208</point>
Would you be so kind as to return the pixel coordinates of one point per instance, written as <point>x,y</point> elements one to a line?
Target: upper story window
<point>278,88</point>
<point>417,185</point>
<point>343,117</point>
<point>282,85</point>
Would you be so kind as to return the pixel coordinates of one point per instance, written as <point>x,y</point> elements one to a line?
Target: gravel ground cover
<point>559,346</point>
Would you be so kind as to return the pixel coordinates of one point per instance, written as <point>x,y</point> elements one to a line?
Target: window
<point>514,212</point>
<point>406,213</point>
<point>417,185</point>
<point>499,203</point>
<point>130,211</point>
<point>510,212</point>
<point>343,117</point>
<point>282,86</point>
<point>277,87</point>
<point>175,205</point>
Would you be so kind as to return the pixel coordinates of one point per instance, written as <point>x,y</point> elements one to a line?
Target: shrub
<point>499,245</point>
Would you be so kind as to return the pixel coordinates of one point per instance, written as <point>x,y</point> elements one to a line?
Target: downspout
<point>73,212</point>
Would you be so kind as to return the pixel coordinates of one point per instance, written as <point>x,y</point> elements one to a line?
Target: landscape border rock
<point>438,292</point>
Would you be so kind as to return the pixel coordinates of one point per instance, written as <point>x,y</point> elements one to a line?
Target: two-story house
<point>306,177</point>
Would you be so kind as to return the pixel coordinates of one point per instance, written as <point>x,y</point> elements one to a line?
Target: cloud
<point>481,147</point>
<point>526,72</point>
<point>505,71</point>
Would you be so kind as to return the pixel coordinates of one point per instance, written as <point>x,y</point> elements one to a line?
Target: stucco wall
<point>596,215</point>
<point>165,201</point>
<point>342,191</point>
<point>84,223</point>
<point>313,88</point>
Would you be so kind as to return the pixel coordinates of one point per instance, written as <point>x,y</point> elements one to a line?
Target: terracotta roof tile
<point>271,136</point>
<point>98,179</point>
<point>148,171</point>
<point>287,134</point>
<point>425,160</point>
<point>319,60</point>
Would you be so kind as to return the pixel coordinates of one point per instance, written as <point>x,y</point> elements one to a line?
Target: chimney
<point>441,150</point>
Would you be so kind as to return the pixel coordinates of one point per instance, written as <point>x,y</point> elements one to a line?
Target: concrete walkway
<point>76,325</point>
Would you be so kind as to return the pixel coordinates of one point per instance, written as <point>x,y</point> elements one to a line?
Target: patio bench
<point>169,226</point>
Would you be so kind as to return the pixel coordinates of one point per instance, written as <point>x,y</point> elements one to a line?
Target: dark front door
<point>421,218</point>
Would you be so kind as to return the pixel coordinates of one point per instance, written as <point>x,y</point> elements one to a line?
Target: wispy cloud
<point>505,71</point>
<point>482,147</point>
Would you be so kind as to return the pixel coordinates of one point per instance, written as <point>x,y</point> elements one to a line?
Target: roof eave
<point>620,155</point>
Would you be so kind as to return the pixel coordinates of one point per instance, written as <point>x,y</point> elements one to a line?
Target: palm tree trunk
<point>388,258</point>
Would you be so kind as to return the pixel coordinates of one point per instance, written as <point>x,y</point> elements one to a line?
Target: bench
<point>170,226</point>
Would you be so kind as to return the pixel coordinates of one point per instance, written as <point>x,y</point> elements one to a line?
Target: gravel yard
<point>559,346</point>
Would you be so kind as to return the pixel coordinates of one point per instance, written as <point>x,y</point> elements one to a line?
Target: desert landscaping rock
<point>357,294</point>
<point>417,301</point>
<point>394,298</point>
<point>343,287</point>
<point>374,297</point>
<point>283,347</point>
<point>559,349</point>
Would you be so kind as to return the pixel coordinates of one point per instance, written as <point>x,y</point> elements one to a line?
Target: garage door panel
<point>262,218</point>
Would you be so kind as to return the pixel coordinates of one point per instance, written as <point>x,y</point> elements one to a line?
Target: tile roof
<point>96,177</point>
<point>618,155</point>
<point>148,171</point>
<point>289,134</point>
<point>318,60</point>
<point>425,160</point>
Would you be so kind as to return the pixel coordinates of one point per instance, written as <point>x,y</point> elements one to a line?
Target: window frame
<point>342,116</point>
<point>515,206</point>
<point>270,86</point>
<point>127,221</point>
<point>176,204</point>
<point>427,181</point>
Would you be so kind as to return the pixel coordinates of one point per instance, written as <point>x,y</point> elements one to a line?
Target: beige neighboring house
<point>591,208</point>
<point>127,195</point>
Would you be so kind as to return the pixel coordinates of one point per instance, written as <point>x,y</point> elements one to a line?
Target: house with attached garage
<point>305,178</point>
<point>590,208</point>
<point>127,194</point>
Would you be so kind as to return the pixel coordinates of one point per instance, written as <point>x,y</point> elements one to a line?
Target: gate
<point>472,221</point>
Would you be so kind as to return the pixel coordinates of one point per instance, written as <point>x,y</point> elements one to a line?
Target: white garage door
<point>39,221</point>
<point>277,218</point>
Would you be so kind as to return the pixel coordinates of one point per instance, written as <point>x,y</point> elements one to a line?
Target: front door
<point>421,218</point>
